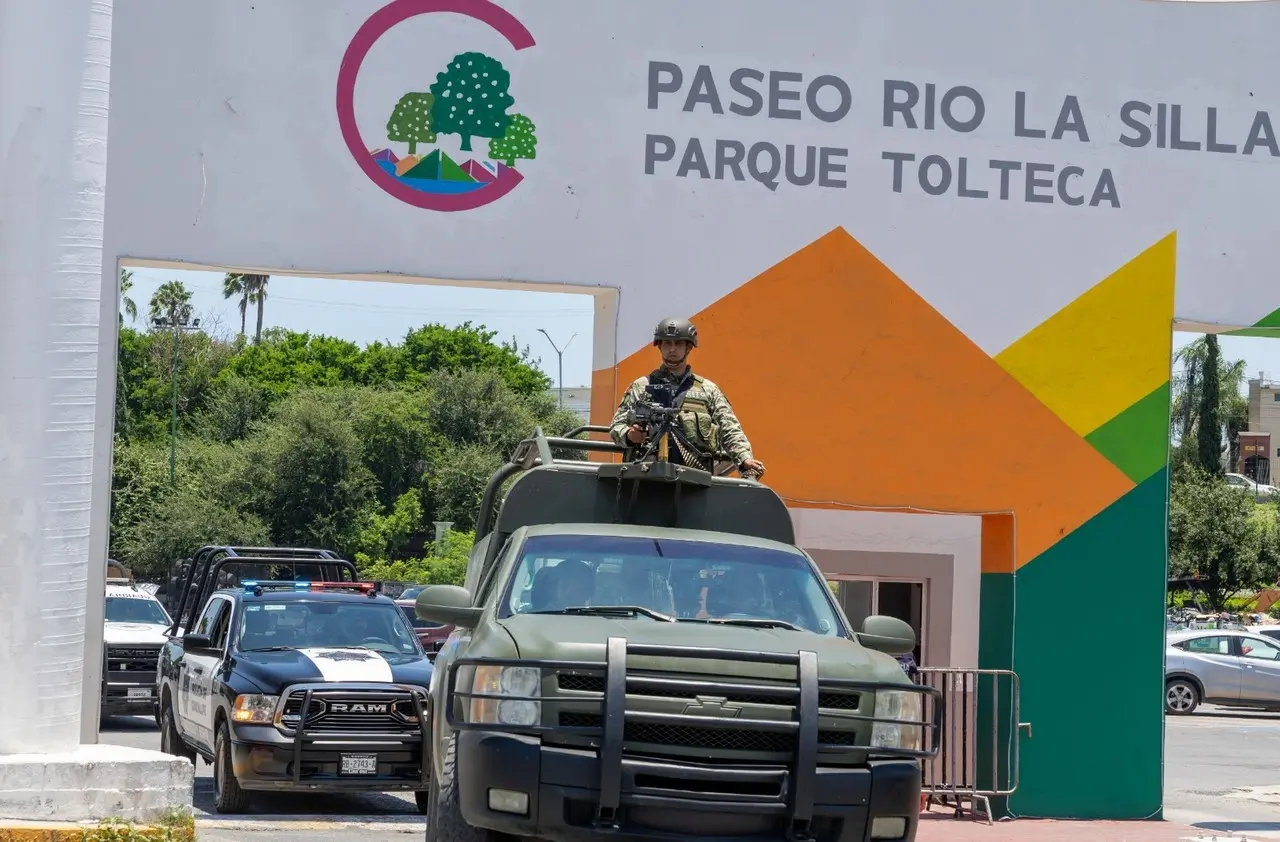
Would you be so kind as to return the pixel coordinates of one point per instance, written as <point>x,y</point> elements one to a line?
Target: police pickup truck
<point>297,686</point>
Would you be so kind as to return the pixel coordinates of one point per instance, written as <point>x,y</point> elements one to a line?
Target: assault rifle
<point>656,414</point>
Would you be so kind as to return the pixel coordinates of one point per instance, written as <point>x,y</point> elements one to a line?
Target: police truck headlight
<point>254,707</point>
<point>519,683</point>
<point>898,704</point>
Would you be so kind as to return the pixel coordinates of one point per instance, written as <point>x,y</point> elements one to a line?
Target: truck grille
<point>352,712</point>
<point>776,701</point>
<point>687,736</point>
<point>133,659</point>
<point>595,684</point>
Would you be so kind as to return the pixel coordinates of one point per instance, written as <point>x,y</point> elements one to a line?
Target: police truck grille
<point>131,659</point>
<point>352,712</point>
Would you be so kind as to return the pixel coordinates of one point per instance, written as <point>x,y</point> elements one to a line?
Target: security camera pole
<point>178,318</point>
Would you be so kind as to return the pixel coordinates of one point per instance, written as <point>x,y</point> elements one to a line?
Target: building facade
<point>859,206</point>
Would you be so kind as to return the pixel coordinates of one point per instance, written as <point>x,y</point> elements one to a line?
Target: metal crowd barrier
<point>953,778</point>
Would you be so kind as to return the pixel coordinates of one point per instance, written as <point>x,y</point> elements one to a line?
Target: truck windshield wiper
<point>611,611</point>
<point>748,621</point>
<point>271,649</point>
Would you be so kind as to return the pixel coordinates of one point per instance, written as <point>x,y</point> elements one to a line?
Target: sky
<point>367,311</point>
<point>1260,353</point>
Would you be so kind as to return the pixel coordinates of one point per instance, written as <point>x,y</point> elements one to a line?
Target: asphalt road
<point>1222,771</point>
<point>288,818</point>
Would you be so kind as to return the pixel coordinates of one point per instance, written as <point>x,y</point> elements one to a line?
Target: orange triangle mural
<point>855,391</point>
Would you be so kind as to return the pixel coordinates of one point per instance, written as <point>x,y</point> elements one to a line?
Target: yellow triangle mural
<point>1072,361</point>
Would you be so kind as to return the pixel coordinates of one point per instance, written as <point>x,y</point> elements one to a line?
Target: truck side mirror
<point>193,641</point>
<point>887,634</point>
<point>448,605</point>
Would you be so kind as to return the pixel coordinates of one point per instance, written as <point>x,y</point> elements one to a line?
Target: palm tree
<point>126,283</point>
<point>1188,385</point>
<point>252,289</point>
<point>171,301</point>
<point>233,285</point>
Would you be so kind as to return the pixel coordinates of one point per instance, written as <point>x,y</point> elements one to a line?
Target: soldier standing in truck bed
<point>706,418</point>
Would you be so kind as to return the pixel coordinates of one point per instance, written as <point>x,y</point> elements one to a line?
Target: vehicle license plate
<point>358,764</point>
<point>138,693</point>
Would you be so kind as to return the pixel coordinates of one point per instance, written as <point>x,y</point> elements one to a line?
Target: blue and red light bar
<point>255,587</point>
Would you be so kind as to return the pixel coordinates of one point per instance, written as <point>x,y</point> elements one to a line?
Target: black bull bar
<point>803,694</point>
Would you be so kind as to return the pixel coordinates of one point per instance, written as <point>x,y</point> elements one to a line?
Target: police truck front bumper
<point>301,758</point>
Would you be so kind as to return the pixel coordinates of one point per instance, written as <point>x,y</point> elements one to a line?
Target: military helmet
<point>676,329</point>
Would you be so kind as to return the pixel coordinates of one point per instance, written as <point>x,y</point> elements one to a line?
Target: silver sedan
<point>1221,667</point>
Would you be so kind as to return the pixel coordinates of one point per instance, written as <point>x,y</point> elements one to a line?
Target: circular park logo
<point>470,99</point>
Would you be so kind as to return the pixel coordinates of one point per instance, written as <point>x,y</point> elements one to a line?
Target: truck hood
<point>274,671</point>
<point>582,638</point>
<point>134,633</point>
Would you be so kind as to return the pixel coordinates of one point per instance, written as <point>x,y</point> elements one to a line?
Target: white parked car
<point>1257,489</point>
<point>132,636</point>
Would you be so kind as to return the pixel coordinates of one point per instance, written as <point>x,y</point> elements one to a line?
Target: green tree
<point>434,347</point>
<point>303,474</point>
<point>519,141</point>
<point>384,537</point>
<point>234,286</point>
<point>449,567</point>
<point>171,300</point>
<point>1187,382</point>
<point>471,98</point>
<point>458,481</point>
<point>1215,536</point>
<point>410,121</point>
<point>1208,422</point>
<point>235,406</point>
<point>395,430</point>
<point>252,289</point>
<point>130,306</point>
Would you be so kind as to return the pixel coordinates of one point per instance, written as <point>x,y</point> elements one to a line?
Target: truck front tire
<point>444,813</point>
<point>170,740</point>
<point>227,794</point>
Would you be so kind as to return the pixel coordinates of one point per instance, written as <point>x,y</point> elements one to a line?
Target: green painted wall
<point>1088,648</point>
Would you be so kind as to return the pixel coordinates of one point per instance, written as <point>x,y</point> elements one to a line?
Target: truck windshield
<point>688,581</point>
<point>304,624</point>
<point>128,609</point>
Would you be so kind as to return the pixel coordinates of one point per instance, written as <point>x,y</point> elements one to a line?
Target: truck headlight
<point>898,704</point>
<point>519,683</point>
<point>254,707</point>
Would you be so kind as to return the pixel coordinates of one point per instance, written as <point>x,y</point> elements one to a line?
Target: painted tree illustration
<point>518,142</point>
<point>471,98</point>
<point>411,121</point>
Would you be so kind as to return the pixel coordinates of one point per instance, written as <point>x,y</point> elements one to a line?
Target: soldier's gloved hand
<point>635,434</point>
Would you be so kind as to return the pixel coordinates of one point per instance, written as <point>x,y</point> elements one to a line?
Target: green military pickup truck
<point>642,651</point>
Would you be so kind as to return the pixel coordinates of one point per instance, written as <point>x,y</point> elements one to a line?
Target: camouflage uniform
<point>706,418</point>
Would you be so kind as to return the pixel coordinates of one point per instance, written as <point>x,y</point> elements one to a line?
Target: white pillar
<point>54,81</point>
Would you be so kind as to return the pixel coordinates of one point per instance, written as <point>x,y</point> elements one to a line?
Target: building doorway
<point>905,599</point>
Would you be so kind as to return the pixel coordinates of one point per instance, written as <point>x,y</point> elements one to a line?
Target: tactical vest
<point>695,417</point>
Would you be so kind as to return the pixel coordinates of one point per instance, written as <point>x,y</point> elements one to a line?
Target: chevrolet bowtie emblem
<point>712,706</point>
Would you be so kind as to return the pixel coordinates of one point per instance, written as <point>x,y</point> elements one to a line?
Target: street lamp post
<point>560,356</point>
<point>177,319</point>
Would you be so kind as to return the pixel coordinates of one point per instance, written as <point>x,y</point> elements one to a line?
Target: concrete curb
<point>297,823</point>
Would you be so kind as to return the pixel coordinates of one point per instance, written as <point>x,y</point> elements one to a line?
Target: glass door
<point>904,599</point>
